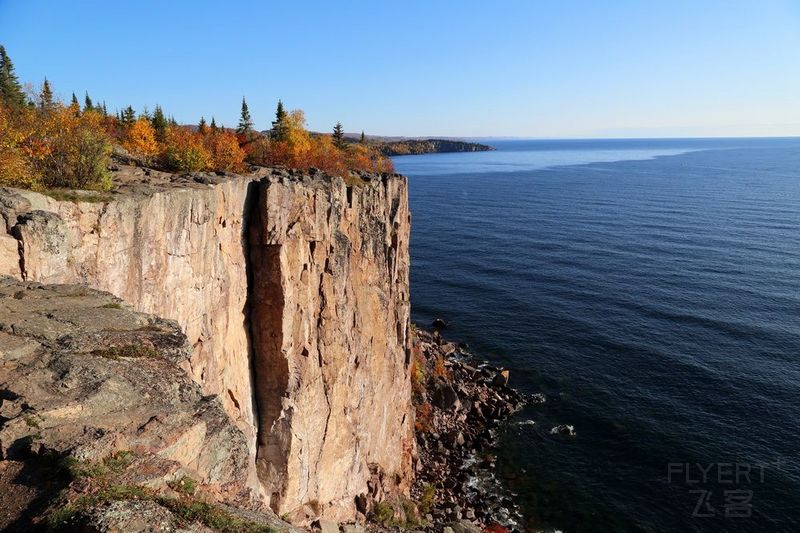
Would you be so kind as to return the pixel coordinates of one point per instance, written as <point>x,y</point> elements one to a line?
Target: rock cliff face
<point>293,293</point>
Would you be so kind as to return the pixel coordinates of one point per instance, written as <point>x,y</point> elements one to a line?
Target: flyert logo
<point>733,498</point>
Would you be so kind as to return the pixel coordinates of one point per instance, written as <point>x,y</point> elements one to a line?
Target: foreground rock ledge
<point>97,416</point>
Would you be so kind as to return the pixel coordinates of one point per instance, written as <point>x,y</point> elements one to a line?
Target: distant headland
<point>426,146</point>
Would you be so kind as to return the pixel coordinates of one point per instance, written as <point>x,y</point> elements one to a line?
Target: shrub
<point>76,150</point>
<point>140,139</point>
<point>428,498</point>
<point>225,152</point>
<point>440,370</point>
<point>424,417</point>
<point>184,151</point>
<point>15,162</point>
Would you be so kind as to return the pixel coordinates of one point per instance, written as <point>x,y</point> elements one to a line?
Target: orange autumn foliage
<point>55,147</point>
<point>225,152</point>
<point>302,150</point>
<point>184,151</point>
<point>140,139</point>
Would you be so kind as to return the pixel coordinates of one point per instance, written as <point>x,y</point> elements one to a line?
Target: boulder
<point>444,396</point>
<point>501,378</point>
<point>464,526</point>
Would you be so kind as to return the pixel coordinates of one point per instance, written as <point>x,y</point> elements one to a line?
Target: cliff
<point>293,293</point>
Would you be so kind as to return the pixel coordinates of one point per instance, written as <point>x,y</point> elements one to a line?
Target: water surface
<point>651,288</point>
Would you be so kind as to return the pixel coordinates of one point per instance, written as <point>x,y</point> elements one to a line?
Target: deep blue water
<point>651,289</point>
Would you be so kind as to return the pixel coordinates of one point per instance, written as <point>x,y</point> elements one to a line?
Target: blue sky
<point>527,68</point>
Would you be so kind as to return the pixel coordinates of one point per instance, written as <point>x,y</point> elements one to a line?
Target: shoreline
<point>461,403</point>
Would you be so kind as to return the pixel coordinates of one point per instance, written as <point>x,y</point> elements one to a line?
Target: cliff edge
<point>292,290</point>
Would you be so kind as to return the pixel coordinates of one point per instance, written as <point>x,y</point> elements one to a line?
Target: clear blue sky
<point>563,68</point>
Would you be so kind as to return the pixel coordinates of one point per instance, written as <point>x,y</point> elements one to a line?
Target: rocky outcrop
<point>84,377</point>
<point>293,293</point>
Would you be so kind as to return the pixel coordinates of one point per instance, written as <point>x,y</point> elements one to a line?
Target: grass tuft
<point>128,350</point>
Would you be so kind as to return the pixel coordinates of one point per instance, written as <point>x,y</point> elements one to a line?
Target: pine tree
<point>87,103</point>
<point>103,109</point>
<point>11,92</point>
<point>74,105</point>
<point>278,131</point>
<point>363,139</point>
<point>213,125</point>
<point>159,122</point>
<point>338,135</point>
<point>172,121</point>
<point>46,96</point>
<point>201,126</point>
<point>245,121</point>
<point>128,116</point>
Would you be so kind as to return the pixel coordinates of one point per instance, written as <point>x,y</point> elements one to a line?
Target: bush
<point>78,151</point>
<point>15,161</point>
<point>54,148</point>
<point>225,152</point>
<point>184,151</point>
<point>140,139</point>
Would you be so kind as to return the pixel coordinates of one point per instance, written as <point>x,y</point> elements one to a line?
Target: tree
<point>140,139</point>
<point>87,103</point>
<point>363,139</point>
<point>245,121</point>
<point>338,136</point>
<point>128,116</point>
<point>11,92</point>
<point>279,129</point>
<point>74,106</point>
<point>103,110</point>
<point>159,122</point>
<point>46,96</point>
<point>184,151</point>
<point>213,125</point>
<point>202,129</point>
<point>226,154</point>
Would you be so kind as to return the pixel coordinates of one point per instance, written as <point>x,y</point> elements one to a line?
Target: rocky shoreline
<point>461,402</point>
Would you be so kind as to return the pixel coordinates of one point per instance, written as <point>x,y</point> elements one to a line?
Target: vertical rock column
<point>329,319</point>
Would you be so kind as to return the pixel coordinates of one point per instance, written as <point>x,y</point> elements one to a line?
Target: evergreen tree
<point>74,105</point>
<point>338,135</point>
<point>363,139</point>
<point>87,103</point>
<point>278,131</point>
<point>159,122</point>
<point>128,116</point>
<point>213,125</point>
<point>245,121</point>
<point>46,96</point>
<point>172,121</point>
<point>11,92</point>
<point>201,126</point>
<point>103,109</point>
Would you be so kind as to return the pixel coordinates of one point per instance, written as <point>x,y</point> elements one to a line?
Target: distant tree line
<point>45,143</point>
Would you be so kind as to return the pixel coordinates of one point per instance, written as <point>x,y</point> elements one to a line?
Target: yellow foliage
<point>297,138</point>
<point>76,150</point>
<point>15,166</point>
<point>140,139</point>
